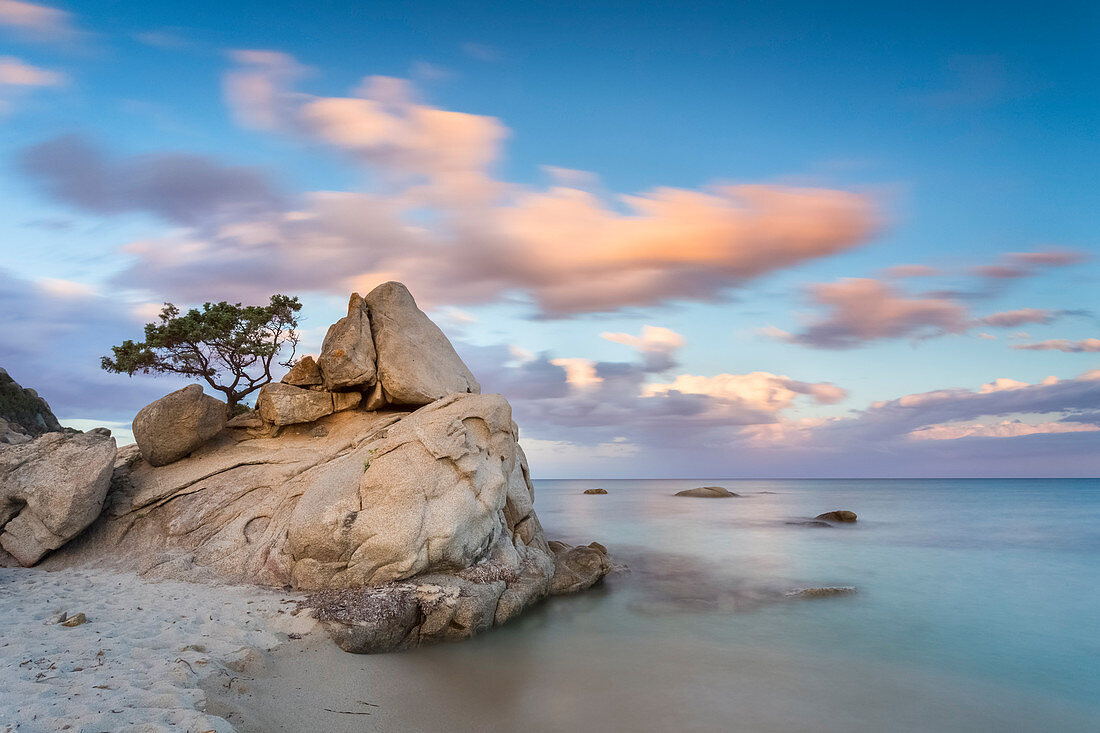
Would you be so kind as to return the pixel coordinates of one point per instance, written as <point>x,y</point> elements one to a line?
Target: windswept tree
<point>232,347</point>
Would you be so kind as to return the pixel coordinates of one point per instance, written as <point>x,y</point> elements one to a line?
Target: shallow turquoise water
<point>978,609</point>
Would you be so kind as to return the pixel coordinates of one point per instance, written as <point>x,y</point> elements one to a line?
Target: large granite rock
<point>177,424</point>
<point>391,507</point>
<point>411,526</point>
<point>23,414</point>
<point>348,352</point>
<point>416,363</point>
<point>51,488</point>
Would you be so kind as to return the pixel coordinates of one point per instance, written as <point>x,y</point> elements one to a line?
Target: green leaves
<point>219,342</point>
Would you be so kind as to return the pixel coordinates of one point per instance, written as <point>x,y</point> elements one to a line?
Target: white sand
<point>136,664</point>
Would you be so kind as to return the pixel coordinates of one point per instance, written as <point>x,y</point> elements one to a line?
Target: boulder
<point>840,515</point>
<point>51,488</point>
<point>577,568</point>
<point>23,414</point>
<point>595,491</point>
<point>285,404</point>
<point>304,373</point>
<point>416,363</point>
<point>172,427</point>
<point>707,492</point>
<point>347,354</point>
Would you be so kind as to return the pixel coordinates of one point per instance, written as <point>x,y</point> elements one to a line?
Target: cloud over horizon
<point>565,249</point>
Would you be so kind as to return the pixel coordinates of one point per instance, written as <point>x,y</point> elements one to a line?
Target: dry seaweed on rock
<point>357,605</point>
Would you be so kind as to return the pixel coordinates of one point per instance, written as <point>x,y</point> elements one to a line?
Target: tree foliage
<point>232,347</point>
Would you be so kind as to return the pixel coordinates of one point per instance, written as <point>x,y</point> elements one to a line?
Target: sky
<point>683,239</point>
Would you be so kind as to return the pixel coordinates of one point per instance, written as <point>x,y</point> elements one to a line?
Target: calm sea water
<point>978,609</point>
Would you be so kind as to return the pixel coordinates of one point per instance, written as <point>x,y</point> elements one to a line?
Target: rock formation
<point>377,477</point>
<point>707,492</point>
<point>595,491</point>
<point>23,414</point>
<point>51,488</point>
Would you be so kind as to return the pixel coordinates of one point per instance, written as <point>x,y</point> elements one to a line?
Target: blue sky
<point>782,158</point>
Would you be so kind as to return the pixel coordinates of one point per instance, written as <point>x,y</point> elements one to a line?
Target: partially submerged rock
<point>578,568</point>
<point>595,491</point>
<point>825,592</point>
<point>416,363</point>
<point>51,488</point>
<point>840,515</point>
<point>707,492</point>
<point>348,351</point>
<point>811,523</point>
<point>178,423</point>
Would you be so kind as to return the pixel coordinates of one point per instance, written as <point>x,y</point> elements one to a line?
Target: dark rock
<point>23,414</point>
<point>595,491</point>
<point>840,515</point>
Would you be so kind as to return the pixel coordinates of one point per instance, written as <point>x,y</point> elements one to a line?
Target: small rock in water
<point>840,515</point>
<point>76,620</point>
<point>595,491</point>
<point>707,492</point>
<point>826,592</point>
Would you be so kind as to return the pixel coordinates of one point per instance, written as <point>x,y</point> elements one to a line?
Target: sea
<point>974,605</point>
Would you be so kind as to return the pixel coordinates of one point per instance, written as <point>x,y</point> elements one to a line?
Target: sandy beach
<point>137,662</point>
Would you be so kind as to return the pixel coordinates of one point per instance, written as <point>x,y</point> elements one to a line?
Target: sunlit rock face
<point>410,511</point>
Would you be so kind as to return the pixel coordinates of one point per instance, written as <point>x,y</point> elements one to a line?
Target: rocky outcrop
<point>51,488</point>
<point>595,491</point>
<point>411,526</point>
<point>177,424</point>
<point>416,363</point>
<point>840,515</point>
<point>23,414</point>
<point>348,351</point>
<point>707,492</point>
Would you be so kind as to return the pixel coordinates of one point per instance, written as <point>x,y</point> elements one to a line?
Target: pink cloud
<point>14,72</point>
<point>1089,345</point>
<point>863,309</point>
<point>912,271</point>
<point>1011,319</point>
<point>1003,429</point>
<point>441,220</point>
<point>36,22</point>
